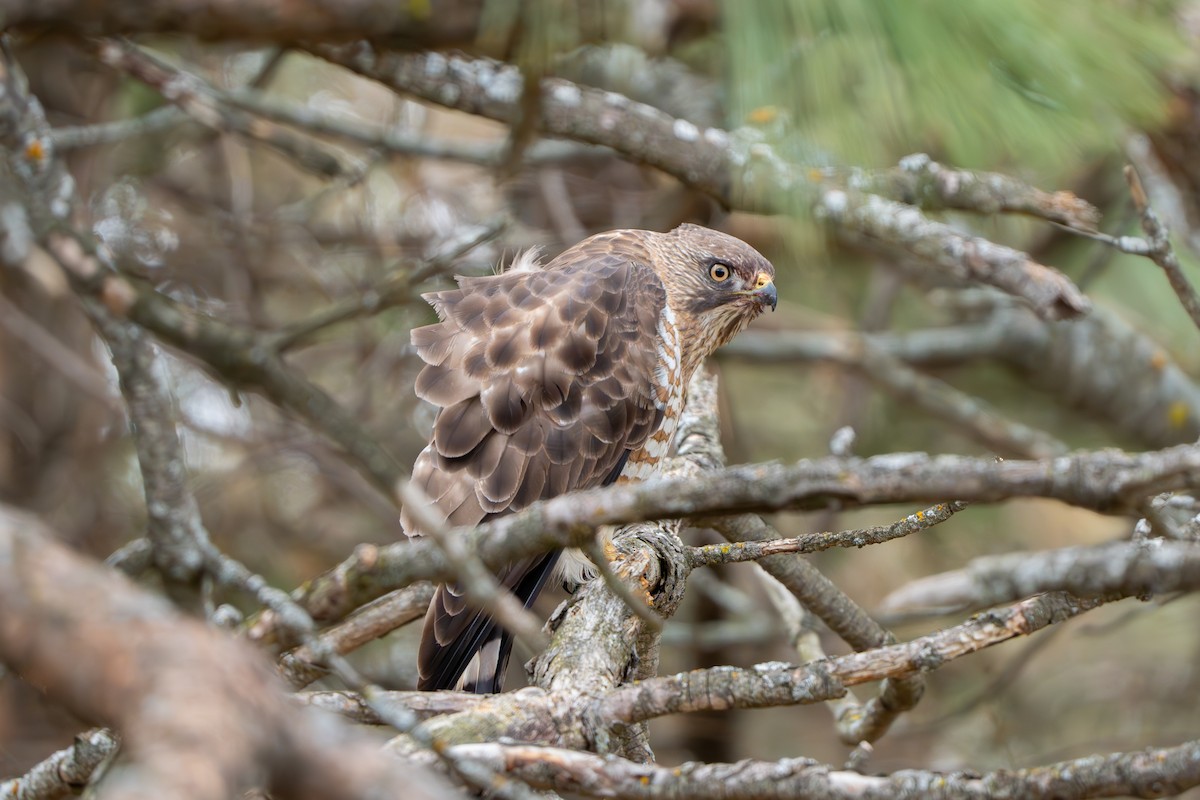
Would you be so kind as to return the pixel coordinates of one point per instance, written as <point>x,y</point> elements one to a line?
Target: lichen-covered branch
<point>1149,566</point>
<point>1110,481</point>
<point>920,181</point>
<point>66,772</point>
<point>737,169</point>
<point>1148,773</point>
<point>776,684</point>
<point>734,552</point>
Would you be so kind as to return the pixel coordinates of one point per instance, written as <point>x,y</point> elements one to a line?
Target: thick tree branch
<point>1110,481</point>
<point>66,772</point>
<point>1148,566</point>
<point>439,23</point>
<point>1148,773</point>
<point>736,169</point>
<point>200,714</point>
<point>775,684</point>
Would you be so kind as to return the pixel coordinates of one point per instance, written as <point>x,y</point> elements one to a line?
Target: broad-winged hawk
<point>559,377</point>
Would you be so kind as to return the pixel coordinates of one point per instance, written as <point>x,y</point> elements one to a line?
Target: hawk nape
<point>559,377</point>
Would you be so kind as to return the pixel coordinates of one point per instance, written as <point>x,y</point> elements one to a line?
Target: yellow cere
<point>1177,414</point>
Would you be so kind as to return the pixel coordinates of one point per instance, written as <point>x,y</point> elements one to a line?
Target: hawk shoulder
<point>543,379</point>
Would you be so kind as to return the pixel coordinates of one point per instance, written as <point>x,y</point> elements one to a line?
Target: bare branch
<point>229,727</point>
<point>480,587</point>
<point>1160,250</point>
<point>195,98</point>
<point>1100,364</point>
<point>175,530</point>
<point>1150,566</point>
<point>394,289</point>
<point>400,24</point>
<point>423,705</point>
<point>736,169</point>
<point>236,354</point>
<point>83,374</point>
<point>160,119</point>
<point>1147,773</point>
<point>802,634</point>
<point>300,667</point>
<point>846,618</point>
<point>766,685</point>
<point>66,772</point>
<point>1111,481</point>
<point>921,181</point>
<point>711,554</point>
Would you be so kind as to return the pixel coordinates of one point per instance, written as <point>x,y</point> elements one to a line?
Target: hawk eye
<point>719,272</point>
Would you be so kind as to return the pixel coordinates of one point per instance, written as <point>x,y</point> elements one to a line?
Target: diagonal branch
<point>1148,773</point>
<point>734,552</point>
<point>1110,481</point>
<point>200,102</point>
<point>230,726</point>
<point>1130,568</point>
<point>736,168</point>
<point>66,772</point>
<point>237,355</point>
<point>775,684</point>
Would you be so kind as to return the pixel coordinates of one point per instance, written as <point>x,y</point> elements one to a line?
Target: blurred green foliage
<point>1022,84</point>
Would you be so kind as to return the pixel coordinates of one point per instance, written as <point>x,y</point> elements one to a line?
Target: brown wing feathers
<point>544,382</point>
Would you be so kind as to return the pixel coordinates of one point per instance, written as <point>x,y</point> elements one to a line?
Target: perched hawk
<point>565,376</point>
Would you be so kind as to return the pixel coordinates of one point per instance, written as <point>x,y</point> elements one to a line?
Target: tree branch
<point>443,23</point>
<point>735,552</point>
<point>1149,566</point>
<point>734,168</point>
<point>1110,481</point>
<point>1148,773</point>
<point>65,773</point>
<point>200,714</point>
<point>774,684</point>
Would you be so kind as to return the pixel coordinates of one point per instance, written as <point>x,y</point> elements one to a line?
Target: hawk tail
<point>475,661</point>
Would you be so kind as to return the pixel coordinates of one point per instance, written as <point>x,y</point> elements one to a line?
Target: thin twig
<point>479,586</point>
<point>712,554</point>
<point>156,121</point>
<point>395,288</point>
<point>199,101</point>
<point>1161,252</point>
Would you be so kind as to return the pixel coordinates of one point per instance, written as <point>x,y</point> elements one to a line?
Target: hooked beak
<point>764,291</point>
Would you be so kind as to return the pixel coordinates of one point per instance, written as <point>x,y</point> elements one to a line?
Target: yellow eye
<point>719,272</point>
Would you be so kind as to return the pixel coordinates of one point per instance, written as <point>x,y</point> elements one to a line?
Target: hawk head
<point>716,284</point>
